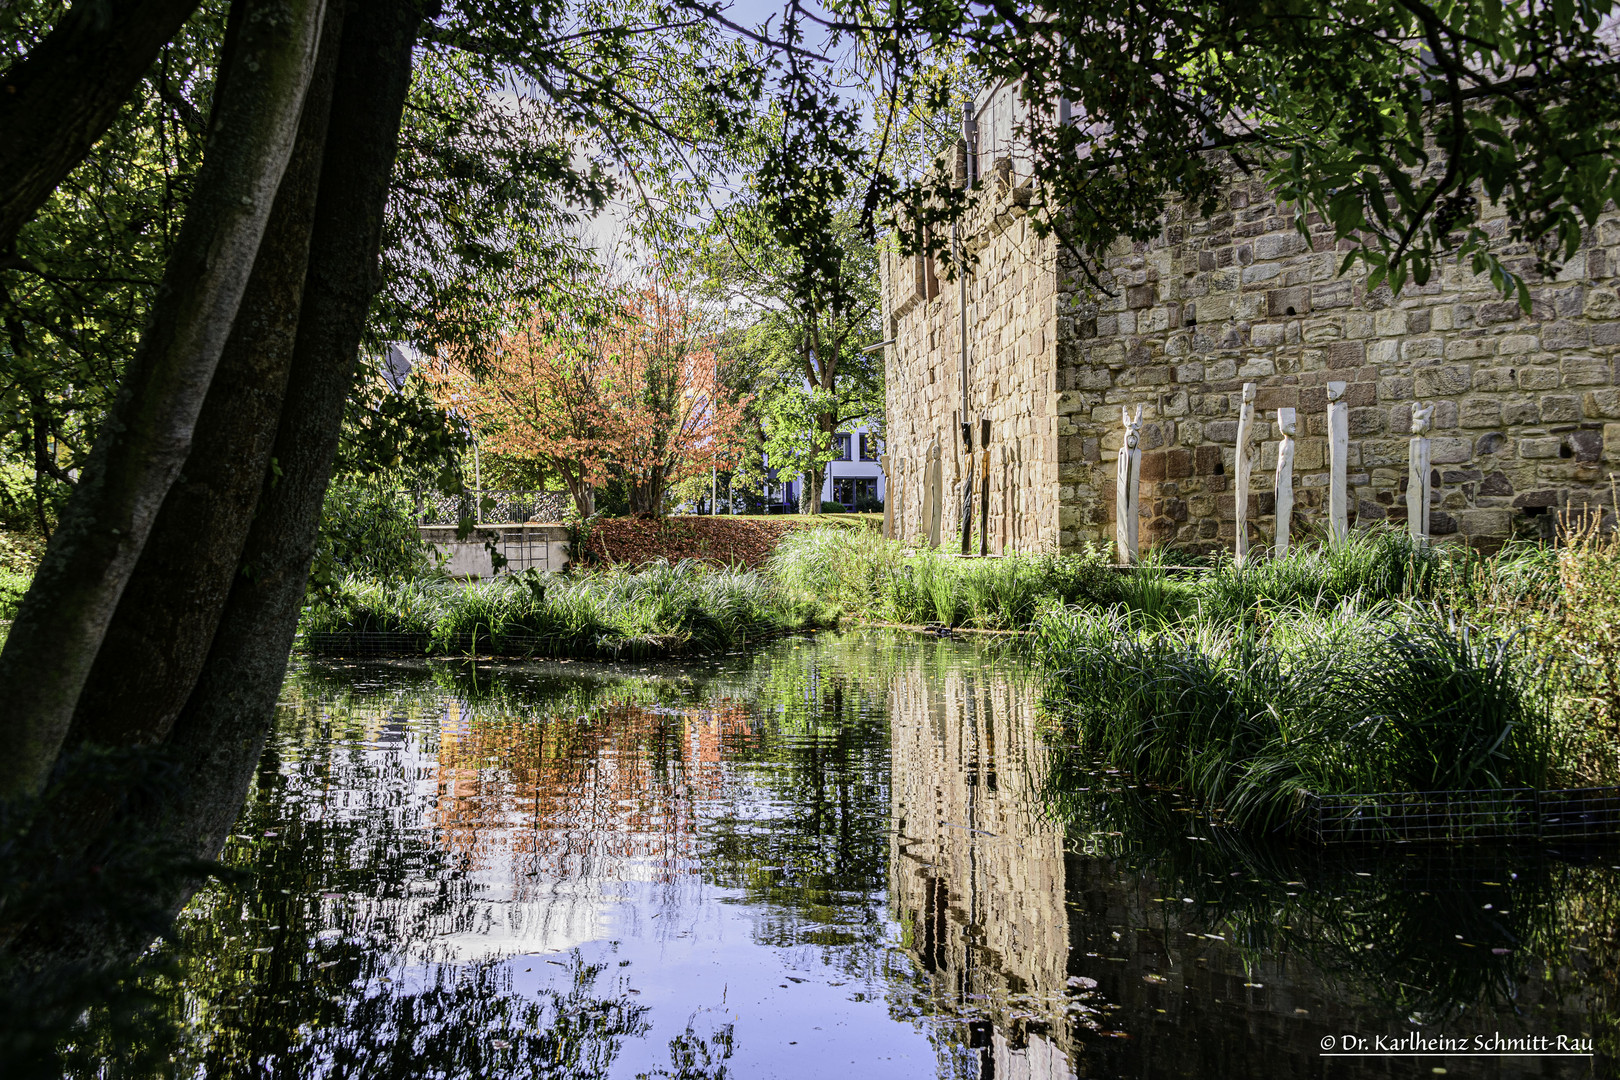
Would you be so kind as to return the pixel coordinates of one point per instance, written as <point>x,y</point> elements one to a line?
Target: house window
<point>856,493</point>
<point>869,446</point>
<point>841,447</point>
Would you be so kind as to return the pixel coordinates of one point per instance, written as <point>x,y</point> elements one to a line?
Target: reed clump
<point>660,608</point>
<point>1249,717</point>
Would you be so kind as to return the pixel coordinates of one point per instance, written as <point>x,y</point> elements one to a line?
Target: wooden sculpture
<point>1338,417</point>
<point>1287,423</point>
<point>1417,478</point>
<point>1125,487</point>
<point>1245,434</point>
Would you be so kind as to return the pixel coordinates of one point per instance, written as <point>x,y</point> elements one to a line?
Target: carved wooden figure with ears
<point>1125,488</point>
<point>1287,423</point>
<point>1417,478</point>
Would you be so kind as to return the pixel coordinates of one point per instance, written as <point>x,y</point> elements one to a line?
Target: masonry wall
<point>1527,405</point>
<point>1013,331</point>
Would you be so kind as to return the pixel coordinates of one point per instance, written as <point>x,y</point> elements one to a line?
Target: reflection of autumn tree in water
<point>562,797</point>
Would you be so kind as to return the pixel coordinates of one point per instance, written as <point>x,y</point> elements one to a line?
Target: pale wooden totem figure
<point>1417,479</point>
<point>1338,416</point>
<point>1287,424</point>
<point>933,509</point>
<point>1245,465</point>
<point>1126,494</point>
<point>890,489</point>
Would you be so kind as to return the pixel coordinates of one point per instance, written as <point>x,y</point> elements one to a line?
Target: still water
<point>851,856</point>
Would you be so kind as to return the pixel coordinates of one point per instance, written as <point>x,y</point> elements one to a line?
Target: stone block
<point>1141,296</point>
<point>1540,447</point>
<point>1520,411</point>
<point>1365,421</point>
<point>1283,302</point>
<point>1611,443</point>
<point>1442,380</point>
<point>1485,523</point>
<point>1560,408</point>
<point>1479,413</point>
<point>1280,245</point>
<point>1601,403</point>
<point>1332,294</point>
<point>1417,350</point>
<point>1221,431</point>
<point>1585,445</point>
<point>1587,371</point>
<point>1497,483</point>
<point>1271,398</point>
<point>1178,463</point>
<point>1266,335</point>
<point>1543,498</point>
<point>1538,378</point>
<point>1450,450</point>
<point>1343,354</point>
<point>1207,459</point>
<point>1361,395</point>
<point>1564,335</point>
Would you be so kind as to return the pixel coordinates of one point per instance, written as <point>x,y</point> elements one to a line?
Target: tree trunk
<point>146,438</point>
<point>155,646</point>
<point>218,737</point>
<point>60,98</point>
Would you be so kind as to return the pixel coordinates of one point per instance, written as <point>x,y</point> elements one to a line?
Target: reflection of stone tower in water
<point>976,868</point>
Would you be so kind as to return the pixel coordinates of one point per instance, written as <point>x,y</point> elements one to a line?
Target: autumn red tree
<point>639,398</point>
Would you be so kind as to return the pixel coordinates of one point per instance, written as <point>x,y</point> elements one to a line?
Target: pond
<point>846,856</point>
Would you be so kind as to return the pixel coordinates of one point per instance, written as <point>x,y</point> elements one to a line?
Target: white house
<point>853,477</point>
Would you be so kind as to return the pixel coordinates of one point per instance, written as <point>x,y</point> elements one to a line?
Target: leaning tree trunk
<point>60,98</point>
<point>145,439</point>
<point>159,636</point>
<point>219,735</point>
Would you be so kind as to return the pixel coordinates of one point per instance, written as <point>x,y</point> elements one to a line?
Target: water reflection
<point>852,855</point>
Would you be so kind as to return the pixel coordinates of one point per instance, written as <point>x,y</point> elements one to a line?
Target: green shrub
<point>368,531</point>
<point>12,587</point>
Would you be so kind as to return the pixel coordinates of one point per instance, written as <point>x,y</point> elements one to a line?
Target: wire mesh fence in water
<point>1453,816</point>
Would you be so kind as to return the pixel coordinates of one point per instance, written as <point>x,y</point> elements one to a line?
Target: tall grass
<point>858,573</point>
<point>661,608</point>
<point>1248,719</point>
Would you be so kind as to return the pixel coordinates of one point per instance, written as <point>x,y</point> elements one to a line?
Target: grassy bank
<point>661,609</point>
<point>1372,667</point>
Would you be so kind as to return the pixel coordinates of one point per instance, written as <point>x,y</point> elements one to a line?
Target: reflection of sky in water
<point>834,858</point>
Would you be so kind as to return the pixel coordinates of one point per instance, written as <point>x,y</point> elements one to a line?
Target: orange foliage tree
<point>639,398</point>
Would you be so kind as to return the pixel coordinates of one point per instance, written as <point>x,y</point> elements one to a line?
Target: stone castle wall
<point>1526,404</point>
<point>1527,423</point>
<point>1013,332</point>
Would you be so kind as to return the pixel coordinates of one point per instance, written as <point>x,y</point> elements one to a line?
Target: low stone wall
<point>542,547</point>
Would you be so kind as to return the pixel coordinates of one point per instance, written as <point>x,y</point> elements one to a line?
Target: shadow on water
<point>847,855</point>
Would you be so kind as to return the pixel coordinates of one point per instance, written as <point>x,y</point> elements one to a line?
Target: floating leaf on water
<point>1154,979</point>
<point>1082,982</point>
